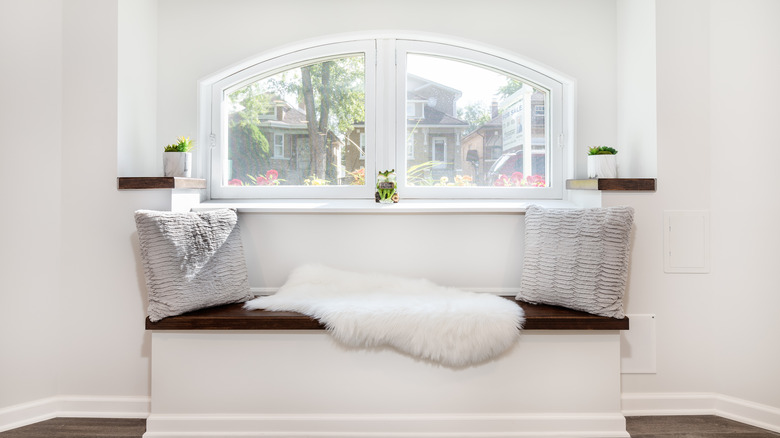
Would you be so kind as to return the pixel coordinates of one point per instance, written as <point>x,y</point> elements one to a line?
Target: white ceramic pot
<point>178,164</point>
<point>602,166</point>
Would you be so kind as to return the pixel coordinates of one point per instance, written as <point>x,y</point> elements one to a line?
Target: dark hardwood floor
<point>693,426</point>
<point>697,426</point>
<point>81,428</point>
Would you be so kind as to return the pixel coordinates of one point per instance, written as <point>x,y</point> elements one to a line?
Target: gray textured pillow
<point>191,260</point>
<point>577,258</point>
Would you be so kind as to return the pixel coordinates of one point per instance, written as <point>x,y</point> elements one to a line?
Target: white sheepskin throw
<point>441,324</point>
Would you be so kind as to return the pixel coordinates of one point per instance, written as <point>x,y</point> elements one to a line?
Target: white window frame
<point>269,65</point>
<point>386,117</point>
<point>556,128</point>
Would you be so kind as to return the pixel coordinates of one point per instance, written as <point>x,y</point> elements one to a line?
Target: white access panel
<point>637,346</point>
<point>687,241</point>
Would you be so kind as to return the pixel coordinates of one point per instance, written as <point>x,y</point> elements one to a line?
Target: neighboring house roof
<point>493,123</point>
<point>434,117</point>
<point>293,115</point>
<point>418,83</point>
<point>291,118</point>
<point>421,89</point>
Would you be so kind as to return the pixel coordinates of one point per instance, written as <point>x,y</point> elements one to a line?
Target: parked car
<point>506,164</point>
<point>511,162</point>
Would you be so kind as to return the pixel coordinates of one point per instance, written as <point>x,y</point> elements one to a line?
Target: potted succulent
<point>177,159</point>
<point>602,162</point>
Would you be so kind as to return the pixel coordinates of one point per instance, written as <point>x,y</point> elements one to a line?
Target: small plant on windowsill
<point>386,188</point>
<point>177,159</point>
<point>602,162</point>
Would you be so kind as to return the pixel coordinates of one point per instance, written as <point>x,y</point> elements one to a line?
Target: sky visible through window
<point>478,85</point>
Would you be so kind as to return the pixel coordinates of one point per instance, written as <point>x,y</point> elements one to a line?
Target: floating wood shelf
<point>159,182</point>
<point>612,184</point>
<point>234,317</point>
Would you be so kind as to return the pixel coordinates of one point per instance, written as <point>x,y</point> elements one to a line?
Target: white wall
<point>716,332</point>
<point>636,89</point>
<point>682,302</point>
<point>30,221</point>
<point>106,349</point>
<point>744,157</point>
<point>137,151</point>
<point>717,69</point>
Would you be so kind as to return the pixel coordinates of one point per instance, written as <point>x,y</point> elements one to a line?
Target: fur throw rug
<point>441,324</point>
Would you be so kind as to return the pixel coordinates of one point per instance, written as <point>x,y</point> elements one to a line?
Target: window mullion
<point>399,114</point>
<point>385,104</point>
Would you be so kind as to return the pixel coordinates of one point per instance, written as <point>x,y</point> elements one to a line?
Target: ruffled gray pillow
<point>577,258</point>
<point>191,260</point>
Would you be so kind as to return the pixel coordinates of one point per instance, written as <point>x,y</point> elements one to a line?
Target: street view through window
<point>465,125</point>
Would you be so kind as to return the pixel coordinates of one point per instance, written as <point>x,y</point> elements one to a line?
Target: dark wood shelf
<point>159,182</point>
<point>612,184</point>
<point>234,317</point>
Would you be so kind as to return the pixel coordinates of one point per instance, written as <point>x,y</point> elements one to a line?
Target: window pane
<point>468,125</point>
<point>302,126</point>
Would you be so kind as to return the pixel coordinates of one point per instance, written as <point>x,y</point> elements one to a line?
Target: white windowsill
<point>364,206</point>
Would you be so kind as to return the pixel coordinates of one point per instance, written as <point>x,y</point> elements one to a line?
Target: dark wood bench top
<point>234,317</point>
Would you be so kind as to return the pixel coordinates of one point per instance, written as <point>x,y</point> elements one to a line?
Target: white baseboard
<point>73,406</point>
<point>754,414</point>
<point>386,426</point>
<point>634,404</point>
<point>27,413</point>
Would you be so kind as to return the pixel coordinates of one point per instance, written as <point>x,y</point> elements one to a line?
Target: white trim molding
<point>387,426</point>
<point>744,411</point>
<point>35,411</point>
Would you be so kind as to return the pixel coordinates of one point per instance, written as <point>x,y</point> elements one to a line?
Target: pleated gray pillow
<point>577,258</point>
<point>191,260</point>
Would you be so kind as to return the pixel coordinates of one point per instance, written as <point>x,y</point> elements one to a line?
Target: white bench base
<point>302,384</point>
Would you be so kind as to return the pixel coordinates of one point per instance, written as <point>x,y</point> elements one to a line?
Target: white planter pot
<point>178,164</point>
<point>602,166</point>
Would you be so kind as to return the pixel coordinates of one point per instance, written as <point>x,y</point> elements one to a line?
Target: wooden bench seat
<point>234,317</point>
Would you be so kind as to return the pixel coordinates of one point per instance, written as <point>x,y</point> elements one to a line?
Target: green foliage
<point>509,88</point>
<point>253,101</point>
<point>314,181</point>
<point>248,147</point>
<point>420,174</point>
<point>475,114</point>
<point>343,91</point>
<point>358,177</point>
<point>602,150</point>
<point>183,144</point>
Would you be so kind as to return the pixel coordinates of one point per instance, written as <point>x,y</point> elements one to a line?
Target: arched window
<point>454,122</point>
